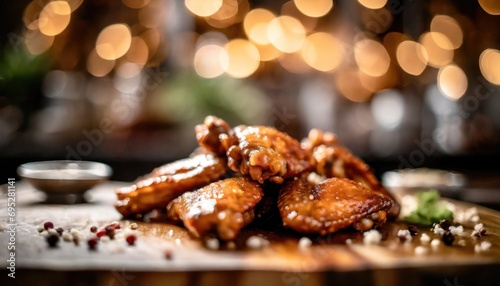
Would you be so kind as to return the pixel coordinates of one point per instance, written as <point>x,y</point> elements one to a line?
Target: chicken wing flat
<point>334,160</point>
<point>331,205</point>
<point>212,133</point>
<point>169,181</point>
<point>222,208</point>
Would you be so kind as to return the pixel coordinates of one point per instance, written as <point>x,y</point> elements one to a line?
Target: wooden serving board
<point>328,260</point>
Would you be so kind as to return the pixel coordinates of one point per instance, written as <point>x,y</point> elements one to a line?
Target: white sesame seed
<point>52,231</point>
<point>348,241</point>
<point>44,233</point>
<point>221,215</point>
<point>104,238</point>
<point>424,238</point>
<point>133,226</point>
<point>213,243</point>
<point>40,229</point>
<point>420,250</point>
<point>256,242</point>
<point>178,241</point>
<point>74,231</point>
<point>171,232</point>
<point>435,243</point>
<point>304,243</point>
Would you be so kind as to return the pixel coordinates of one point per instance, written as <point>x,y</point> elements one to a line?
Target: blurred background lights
<point>412,57</point>
<point>452,81</point>
<point>256,23</point>
<point>388,109</point>
<point>371,57</point>
<point>322,52</point>
<point>54,18</point>
<point>490,6</point>
<point>211,61</point>
<point>349,85</point>
<point>286,33</point>
<point>446,25</point>
<point>373,4</point>
<point>113,41</point>
<point>135,4</point>
<point>243,58</point>
<point>37,43</point>
<point>489,63</point>
<point>314,8</point>
<point>98,66</point>
<point>439,49</point>
<point>203,8</point>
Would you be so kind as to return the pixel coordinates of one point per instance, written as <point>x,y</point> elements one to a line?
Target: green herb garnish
<point>430,209</point>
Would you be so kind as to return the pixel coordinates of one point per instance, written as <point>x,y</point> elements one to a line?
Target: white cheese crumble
<point>478,227</point>
<point>67,236</point>
<point>304,243</point>
<point>256,242</point>
<point>404,233</point>
<point>212,243</point>
<point>483,246</point>
<point>104,238</point>
<point>420,250</point>
<point>424,238</point>
<point>462,242</point>
<point>438,230</point>
<point>372,237</point>
<point>457,230</point>
<point>435,243</point>
<point>408,205</point>
<point>467,215</point>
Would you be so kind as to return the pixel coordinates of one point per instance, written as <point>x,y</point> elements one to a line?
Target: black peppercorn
<point>60,231</point>
<point>444,224</point>
<point>448,238</point>
<point>52,240</point>
<point>413,230</point>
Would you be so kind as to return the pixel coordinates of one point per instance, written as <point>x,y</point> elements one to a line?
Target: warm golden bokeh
<point>433,43</point>
<point>452,81</point>
<point>268,52</point>
<point>314,8</point>
<point>373,4</point>
<point>412,57</point>
<point>371,56</point>
<point>490,6</point>
<point>255,25</point>
<point>203,8</point>
<point>37,43</point>
<point>54,18</point>
<point>138,52</point>
<point>446,25</point>
<point>286,33</point>
<point>135,4</point>
<point>113,41</point>
<point>349,85</point>
<point>243,56</point>
<point>210,61</point>
<point>294,63</point>
<point>489,62</point>
<point>391,42</point>
<point>322,51</point>
<point>98,66</point>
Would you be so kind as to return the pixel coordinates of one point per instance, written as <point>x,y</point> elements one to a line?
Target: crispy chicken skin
<point>329,206</point>
<point>222,208</point>
<point>334,160</point>
<point>169,181</point>
<point>261,152</point>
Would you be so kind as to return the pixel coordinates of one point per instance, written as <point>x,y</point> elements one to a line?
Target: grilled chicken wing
<point>222,208</point>
<point>334,160</point>
<point>331,205</point>
<point>167,182</point>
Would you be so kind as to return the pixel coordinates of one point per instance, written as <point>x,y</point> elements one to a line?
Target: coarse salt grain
<point>424,238</point>
<point>256,242</point>
<point>420,250</point>
<point>435,242</point>
<point>304,243</point>
<point>372,237</point>
<point>457,230</point>
<point>213,243</point>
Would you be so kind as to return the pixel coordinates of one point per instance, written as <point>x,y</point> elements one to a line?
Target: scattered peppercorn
<point>92,243</point>
<point>93,229</point>
<point>60,231</point>
<point>110,231</point>
<point>413,230</point>
<point>48,225</point>
<point>482,232</point>
<point>52,240</point>
<point>131,239</point>
<point>168,254</point>
<point>101,233</point>
<point>444,224</point>
<point>448,238</point>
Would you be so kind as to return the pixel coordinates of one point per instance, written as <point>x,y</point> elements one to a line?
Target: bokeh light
<point>439,48</point>
<point>452,81</point>
<point>138,52</point>
<point>203,8</point>
<point>268,52</point>
<point>37,43</point>
<point>243,58</point>
<point>113,41</point>
<point>135,4</point>
<point>294,63</point>
<point>349,85</point>
<point>54,18</point>
<point>490,6</point>
<point>412,57</point>
<point>446,25</point>
<point>286,33</point>
<point>388,100</point>
<point>371,57</point>
<point>373,4</point>
<point>314,8</point>
<point>322,51</point>
<point>255,25</point>
<point>211,61</point>
<point>489,63</point>
<point>98,66</point>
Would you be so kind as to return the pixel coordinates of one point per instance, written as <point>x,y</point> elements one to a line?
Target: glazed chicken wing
<point>222,208</point>
<point>331,205</point>
<point>334,160</point>
<point>167,182</point>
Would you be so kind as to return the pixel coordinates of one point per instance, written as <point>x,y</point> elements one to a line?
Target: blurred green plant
<point>21,77</point>
<point>188,98</point>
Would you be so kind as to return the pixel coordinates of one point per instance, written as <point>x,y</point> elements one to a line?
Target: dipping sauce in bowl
<point>64,177</point>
